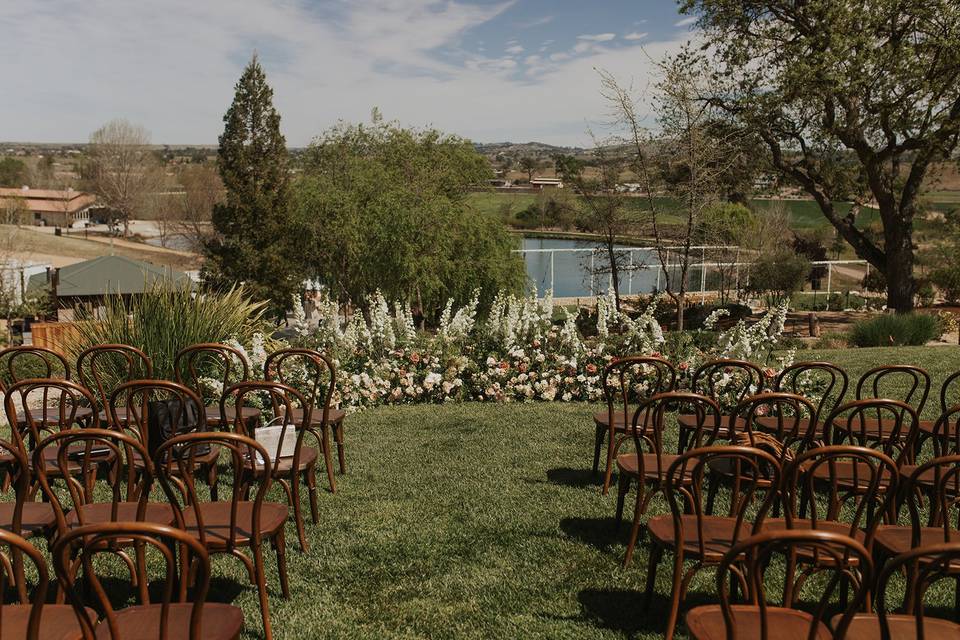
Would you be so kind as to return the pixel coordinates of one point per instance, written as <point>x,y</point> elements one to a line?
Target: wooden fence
<point>52,335</point>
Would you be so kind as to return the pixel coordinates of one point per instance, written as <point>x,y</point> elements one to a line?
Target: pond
<point>567,265</point>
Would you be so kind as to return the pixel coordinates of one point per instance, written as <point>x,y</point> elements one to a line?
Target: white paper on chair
<point>269,438</point>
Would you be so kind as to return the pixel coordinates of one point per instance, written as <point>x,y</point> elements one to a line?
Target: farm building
<point>48,207</point>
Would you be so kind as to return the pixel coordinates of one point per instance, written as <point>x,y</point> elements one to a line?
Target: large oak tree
<point>855,99</point>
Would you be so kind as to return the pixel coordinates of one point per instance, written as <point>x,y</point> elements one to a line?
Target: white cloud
<point>515,50</point>
<point>636,36</point>
<point>597,37</point>
<point>172,68</point>
<point>538,22</point>
<point>686,21</point>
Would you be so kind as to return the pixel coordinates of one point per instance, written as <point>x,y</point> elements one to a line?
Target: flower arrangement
<point>517,353</point>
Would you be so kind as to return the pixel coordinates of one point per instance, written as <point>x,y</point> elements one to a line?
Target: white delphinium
<point>404,327</point>
<point>743,340</point>
<point>299,321</point>
<point>711,320</point>
<point>569,334</point>
<point>381,323</point>
<point>644,335</point>
<point>455,327</point>
<point>329,329</point>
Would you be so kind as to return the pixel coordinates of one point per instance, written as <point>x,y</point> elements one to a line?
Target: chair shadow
<point>602,533</point>
<point>622,610</point>
<point>576,478</point>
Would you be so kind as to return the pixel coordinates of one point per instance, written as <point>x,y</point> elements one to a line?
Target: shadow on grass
<point>623,610</point>
<point>577,478</point>
<point>602,533</point>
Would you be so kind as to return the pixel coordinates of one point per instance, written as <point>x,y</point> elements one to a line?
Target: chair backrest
<point>932,494</point>
<point>846,484</point>
<point>200,366</point>
<point>628,382</point>
<point>93,540</point>
<point>945,436</point>
<point>310,372</point>
<point>77,457</point>
<point>825,382</point>
<point>903,382</point>
<point>104,366</point>
<point>789,418</point>
<point>727,381</point>
<point>40,406</point>
<point>15,545</point>
<point>141,398</point>
<point>750,476</point>
<point>890,426</point>
<point>278,403</point>
<point>16,467</point>
<point>950,392</point>
<point>27,361</point>
<point>175,463</point>
<point>649,423</point>
<point>750,559</point>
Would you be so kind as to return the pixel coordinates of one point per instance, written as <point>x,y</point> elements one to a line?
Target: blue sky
<point>490,70</point>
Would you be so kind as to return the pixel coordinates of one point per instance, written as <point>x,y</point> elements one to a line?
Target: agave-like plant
<point>165,319</point>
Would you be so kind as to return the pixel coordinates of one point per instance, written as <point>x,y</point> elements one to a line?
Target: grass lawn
<point>481,521</point>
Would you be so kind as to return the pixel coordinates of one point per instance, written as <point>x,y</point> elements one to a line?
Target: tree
<point>386,208</point>
<point>13,173</point>
<point>121,170</point>
<point>190,214</point>
<point>254,240</point>
<point>855,99</point>
<point>688,160</point>
<point>530,165</point>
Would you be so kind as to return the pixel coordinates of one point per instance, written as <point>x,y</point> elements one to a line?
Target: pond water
<point>568,265</point>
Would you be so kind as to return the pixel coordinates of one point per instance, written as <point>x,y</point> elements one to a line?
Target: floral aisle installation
<point>517,353</point>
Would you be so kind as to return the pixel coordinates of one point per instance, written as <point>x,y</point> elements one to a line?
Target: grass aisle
<point>481,521</point>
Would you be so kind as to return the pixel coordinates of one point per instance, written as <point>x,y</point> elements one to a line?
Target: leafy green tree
<point>855,100</point>
<point>385,208</point>
<point>13,173</point>
<point>529,165</point>
<point>254,241</point>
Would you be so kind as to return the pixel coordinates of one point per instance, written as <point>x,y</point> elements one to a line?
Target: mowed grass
<point>482,521</point>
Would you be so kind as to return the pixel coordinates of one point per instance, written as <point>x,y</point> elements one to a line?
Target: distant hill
<point>521,149</point>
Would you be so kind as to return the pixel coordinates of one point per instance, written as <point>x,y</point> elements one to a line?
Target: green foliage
<point>724,223</point>
<point>947,279</point>
<point>551,209</point>
<point>13,173</point>
<point>777,274</point>
<point>385,207</point>
<point>875,281</point>
<point>168,318</point>
<point>255,242</point>
<point>910,329</point>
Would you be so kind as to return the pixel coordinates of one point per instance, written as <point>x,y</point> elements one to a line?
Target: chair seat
<point>205,459</point>
<point>36,517</point>
<point>52,465</point>
<point>873,428</point>
<point>927,478</point>
<point>216,521</point>
<point>866,626</point>
<point>308,457</point>
<point>688,422</point>
<point>627,463</point>
<point>98,512</point>
<point>141,622</point>
<point>213,414</point>
<point>707,623</point>
<point>52,414</point>
<point>57,622</point>
<point>334,416</point>
<point>847,475</point>
<point>894,539</point>
<point>718,532</point>
<point>831,526</point>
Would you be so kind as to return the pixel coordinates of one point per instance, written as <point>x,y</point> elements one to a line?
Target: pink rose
<point>683,366</point>
<point>591,368</point>
<point>414,357</point>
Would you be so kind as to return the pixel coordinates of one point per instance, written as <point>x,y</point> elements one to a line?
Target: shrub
<point>947,279</point>
<point>895,330</point>
<point>875,281</point>
<point>168,318</point>
<point>776,275</point>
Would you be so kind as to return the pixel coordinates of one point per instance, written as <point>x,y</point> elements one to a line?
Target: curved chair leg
<point>328,460</point>
<point>297,511</point>
<point>612,447</point>
<point>338,438</point>
<point>261,580</point>
<point>623,488</point>
<point>312,490</point>
<point>597,445</point>
<point>653,563</point>
<point>638,511</point>
<point>676,594</point>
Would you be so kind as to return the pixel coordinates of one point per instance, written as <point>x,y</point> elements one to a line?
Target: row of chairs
<point>631,380</point>
<point>720,495</point>
<point>59,450</point>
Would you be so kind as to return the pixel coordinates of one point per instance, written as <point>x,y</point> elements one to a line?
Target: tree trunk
<point>681,307</point>
<point>614,270</point>
<point>898,250</point>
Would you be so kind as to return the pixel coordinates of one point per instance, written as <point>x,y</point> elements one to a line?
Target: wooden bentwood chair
<point>104,366</point>
<point>226,526</point>
<point>647,465</point>
<point>749,560</point>
<point>170,618</point>
<point>213,361</point>
<point>751,477</point>
<point>312,374</point>
<point>285,468</point>
<point>728,382</point>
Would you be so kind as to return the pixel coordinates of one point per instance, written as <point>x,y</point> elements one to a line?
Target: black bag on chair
<point>169,418</point>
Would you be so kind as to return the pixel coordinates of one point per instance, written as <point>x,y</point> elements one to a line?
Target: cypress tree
<point>254,242</point>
